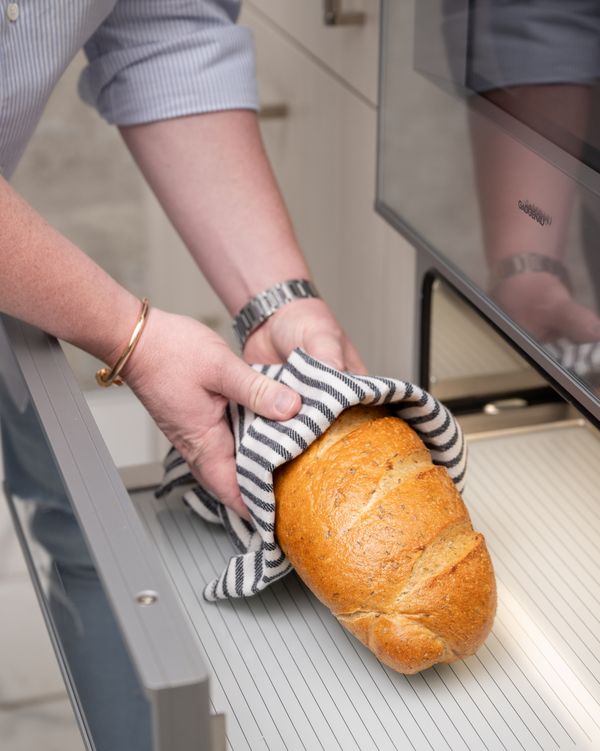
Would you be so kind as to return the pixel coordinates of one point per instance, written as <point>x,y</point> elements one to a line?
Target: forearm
<point>211,174</point>
<point>509,172</point>
<point>48,282</point>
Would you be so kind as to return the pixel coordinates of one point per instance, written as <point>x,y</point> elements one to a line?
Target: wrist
<point>151,353</point>
<point>527,264</point>
<point>262,306</point>
<point>250,279</point>
<point>115,374</point>
<point>117,327</point>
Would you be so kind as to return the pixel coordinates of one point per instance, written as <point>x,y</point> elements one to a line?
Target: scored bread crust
<point>382,537</point>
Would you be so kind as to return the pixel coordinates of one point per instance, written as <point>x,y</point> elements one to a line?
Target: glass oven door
<point>489,159</point>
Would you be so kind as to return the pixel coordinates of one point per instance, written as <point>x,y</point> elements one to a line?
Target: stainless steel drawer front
<point>75,472</point>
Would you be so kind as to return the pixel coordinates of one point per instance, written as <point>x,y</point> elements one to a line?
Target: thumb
<point>577,322</point>
<point>238,381</point>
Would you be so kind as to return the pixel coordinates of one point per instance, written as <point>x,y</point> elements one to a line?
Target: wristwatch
<point>262,306</point>
<point>524,263</point>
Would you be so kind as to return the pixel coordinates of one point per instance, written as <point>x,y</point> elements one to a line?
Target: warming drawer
<point>287,676</point>
<point>278,666</point>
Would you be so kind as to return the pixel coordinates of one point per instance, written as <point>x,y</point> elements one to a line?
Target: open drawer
<point>281,670</point>
<point>287,676</point>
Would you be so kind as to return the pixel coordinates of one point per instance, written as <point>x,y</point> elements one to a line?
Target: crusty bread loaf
<point>383,538</point>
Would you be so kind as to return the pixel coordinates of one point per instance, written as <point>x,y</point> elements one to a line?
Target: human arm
<point>506,171</point>
<point>182,372</point>
<point>211,175</point>
<point>48,282</point>
<point>538,72</point>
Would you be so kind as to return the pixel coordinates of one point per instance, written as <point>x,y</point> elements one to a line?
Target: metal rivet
<point>146,597</point>
<point>12,11</point>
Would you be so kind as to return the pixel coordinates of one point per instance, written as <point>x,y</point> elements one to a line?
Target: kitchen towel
<point>262,445</point>
<point>582,359</point>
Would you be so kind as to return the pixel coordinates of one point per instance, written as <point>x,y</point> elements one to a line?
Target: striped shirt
<point>148,60</point>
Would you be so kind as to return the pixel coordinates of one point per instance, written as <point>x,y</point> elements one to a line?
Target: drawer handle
<point>333,15</point>
<point>273,111</point>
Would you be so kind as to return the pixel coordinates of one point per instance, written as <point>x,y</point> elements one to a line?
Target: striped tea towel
<point>262,445</point>
<point>582,359</point>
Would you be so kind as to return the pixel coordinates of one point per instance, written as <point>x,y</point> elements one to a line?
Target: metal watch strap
<point>524,263</point>
<point>263,305</point>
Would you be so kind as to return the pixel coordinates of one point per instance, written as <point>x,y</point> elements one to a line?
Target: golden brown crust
<point>403,644</point>
<point>382,537</point>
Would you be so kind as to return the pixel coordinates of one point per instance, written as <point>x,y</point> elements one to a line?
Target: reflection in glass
<point>538,62</point>
<point>100,673</point>
<point>491,107</point>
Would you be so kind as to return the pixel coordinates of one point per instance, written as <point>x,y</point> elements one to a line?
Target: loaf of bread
<point>383,538</point>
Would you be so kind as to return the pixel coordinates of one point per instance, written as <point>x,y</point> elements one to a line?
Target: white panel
<point>350,52</point>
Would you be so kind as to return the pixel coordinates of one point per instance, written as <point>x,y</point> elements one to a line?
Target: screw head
<point>146,597</point>
<point>12,11</point>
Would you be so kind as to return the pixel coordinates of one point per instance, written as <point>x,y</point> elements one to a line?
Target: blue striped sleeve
<point>153,60</point>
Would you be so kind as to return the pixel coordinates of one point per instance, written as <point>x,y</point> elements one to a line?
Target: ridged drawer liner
<point>288,676</point>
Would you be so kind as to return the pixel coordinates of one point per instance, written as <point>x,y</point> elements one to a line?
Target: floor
<point>35,712</point>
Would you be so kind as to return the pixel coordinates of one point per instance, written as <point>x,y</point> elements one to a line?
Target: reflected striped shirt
<point>148,60</point>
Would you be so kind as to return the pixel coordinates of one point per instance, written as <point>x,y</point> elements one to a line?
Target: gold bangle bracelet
<point>108,376</point>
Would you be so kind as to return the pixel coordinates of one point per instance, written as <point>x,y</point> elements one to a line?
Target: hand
<point>309,324</point>
<point>184,374</point>
<point>544,307</point>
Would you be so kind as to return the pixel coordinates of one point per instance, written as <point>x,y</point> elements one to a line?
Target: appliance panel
<point>488,150</point>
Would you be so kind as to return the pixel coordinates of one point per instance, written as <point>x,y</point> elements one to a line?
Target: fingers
<point>238,381</point>
<point>212,463</point>
<point>577,322</point>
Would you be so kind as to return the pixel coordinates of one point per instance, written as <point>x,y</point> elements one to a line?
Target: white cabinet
<point>348,51</point>
<point>176,284</point>
<point>323,153</point>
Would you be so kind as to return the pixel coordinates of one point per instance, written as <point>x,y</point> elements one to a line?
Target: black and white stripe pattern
<point>262,445</point>
<point>582,359</point>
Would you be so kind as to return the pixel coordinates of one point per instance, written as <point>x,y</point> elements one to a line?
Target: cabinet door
<point>323,153</point>
<point>350,51</point>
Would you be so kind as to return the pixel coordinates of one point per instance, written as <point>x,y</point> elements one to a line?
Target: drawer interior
<point>288,676</point>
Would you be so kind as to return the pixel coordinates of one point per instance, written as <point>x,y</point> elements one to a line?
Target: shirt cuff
<point>204,72</point>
